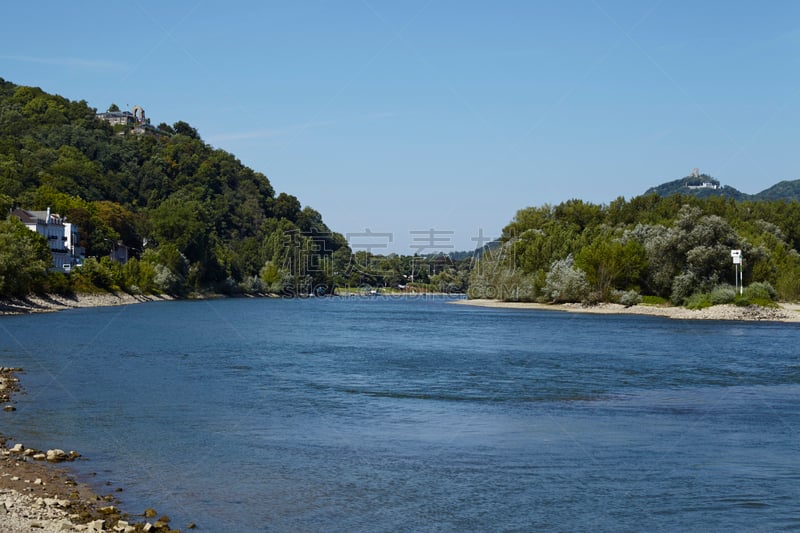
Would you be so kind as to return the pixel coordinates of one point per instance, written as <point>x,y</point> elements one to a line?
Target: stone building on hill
<point>135,119</point>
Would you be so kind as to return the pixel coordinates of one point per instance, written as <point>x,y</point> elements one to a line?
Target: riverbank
<point>782,313</point>
<point>53,302</point>
<point>37,495</point>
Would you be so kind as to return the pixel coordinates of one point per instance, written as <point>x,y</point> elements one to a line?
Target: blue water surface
<point>402,414</point>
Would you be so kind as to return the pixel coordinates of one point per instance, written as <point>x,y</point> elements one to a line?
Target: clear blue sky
<point>445,115</point>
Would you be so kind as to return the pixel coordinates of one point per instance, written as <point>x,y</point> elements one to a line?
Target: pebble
<point>20,512</point>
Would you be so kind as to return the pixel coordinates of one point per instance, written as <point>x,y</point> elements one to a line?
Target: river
<point>404,414</point>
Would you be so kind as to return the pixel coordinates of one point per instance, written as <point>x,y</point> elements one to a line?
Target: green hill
<point>701,186</point>
<point>704,186</point>
<point>784,190</point>
<point>194,217</point>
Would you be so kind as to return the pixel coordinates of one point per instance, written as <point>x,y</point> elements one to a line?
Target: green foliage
<point>611,264</point>
<point>760,291</point>
<point>24,259</point>
<point>273,278</point>
<point>139,277</point>
<point>57,283</point>
<point>689,186</point>
<point>667,247</point>
<point>103,274</point>
<point>252,285</point>
<point>628,298</point>
<point>784,190</point>
<point>722,294</point>
<point>194,217</point>
<point>650,299</point>
<point>699,300</point>
<point>565,283</point>
<point>746,301</point>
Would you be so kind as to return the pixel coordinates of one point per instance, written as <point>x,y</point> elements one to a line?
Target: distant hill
<point>784,190</point>
<point>704,186</point>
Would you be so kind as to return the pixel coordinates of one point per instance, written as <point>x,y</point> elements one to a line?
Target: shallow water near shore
<point>390,414</point>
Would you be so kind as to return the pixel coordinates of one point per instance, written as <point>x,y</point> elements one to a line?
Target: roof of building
<point>35,217</point>
<point>115,114</point>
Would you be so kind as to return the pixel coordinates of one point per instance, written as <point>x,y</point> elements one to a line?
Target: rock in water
<point>56,455</point>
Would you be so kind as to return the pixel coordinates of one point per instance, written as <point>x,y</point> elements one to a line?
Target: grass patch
<point>745,301</point>
<point>654,300</point>
<point>699,300</point>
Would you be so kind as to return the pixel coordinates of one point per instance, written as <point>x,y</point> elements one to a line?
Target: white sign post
<point>736,255</point>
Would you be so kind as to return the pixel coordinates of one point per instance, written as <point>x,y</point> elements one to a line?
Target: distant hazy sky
<point>407,116</point>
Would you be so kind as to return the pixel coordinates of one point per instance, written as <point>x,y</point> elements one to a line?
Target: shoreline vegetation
<point>783,312</point>
<point>36,494</point>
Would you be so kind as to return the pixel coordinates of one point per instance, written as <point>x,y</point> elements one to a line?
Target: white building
<point>62,236</point>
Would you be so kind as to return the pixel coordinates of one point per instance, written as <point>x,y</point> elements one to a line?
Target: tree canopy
<point>198,216</point>
<point>671,247</point>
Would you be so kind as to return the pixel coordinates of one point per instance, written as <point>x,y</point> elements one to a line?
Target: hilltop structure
<point>135,119</point>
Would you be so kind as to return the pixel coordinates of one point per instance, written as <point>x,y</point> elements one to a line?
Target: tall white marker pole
<point>738,280</point>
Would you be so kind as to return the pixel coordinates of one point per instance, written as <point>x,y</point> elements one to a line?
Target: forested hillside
<point>675,247</point>
<point>700,186</point>
<point>194,217</point>
<point>704,186</point>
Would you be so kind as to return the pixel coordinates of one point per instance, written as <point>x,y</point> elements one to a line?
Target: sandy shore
<point>49,303</point>
<point>783,313</point>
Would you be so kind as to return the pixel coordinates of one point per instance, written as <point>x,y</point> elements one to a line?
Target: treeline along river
<point>380,414</point>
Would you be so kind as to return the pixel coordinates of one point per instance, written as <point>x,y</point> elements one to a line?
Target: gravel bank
<point>783,313</point>
<point>36,495</point>
<point>49,303</point>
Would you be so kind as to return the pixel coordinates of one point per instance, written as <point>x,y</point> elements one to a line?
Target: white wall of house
<point>62,237</point>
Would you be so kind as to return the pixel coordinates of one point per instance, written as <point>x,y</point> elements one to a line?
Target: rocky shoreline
<point>37,495</point>
<point>53,302</point>
<point>785,312</point>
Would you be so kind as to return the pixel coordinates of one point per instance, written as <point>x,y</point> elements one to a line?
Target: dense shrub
<point>565,283</point>
<point>629,298</point>
<point>91,276</point>
<point>683,286</point>
<point>252,285</point>
<point>699,300</point>
<point>723,294</point>
<point>57,283</point>
<point>760,291</point>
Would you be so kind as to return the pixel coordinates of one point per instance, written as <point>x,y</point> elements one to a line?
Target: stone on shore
<point>55,456</point>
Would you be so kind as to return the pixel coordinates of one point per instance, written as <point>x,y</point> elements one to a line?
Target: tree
<point>180,222</point>
<point>286,206</point>
<point>113,108</point>
<point>183,128</point>
<point>24,259</point>
<point>565,283</point>
<point>611,264</point>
